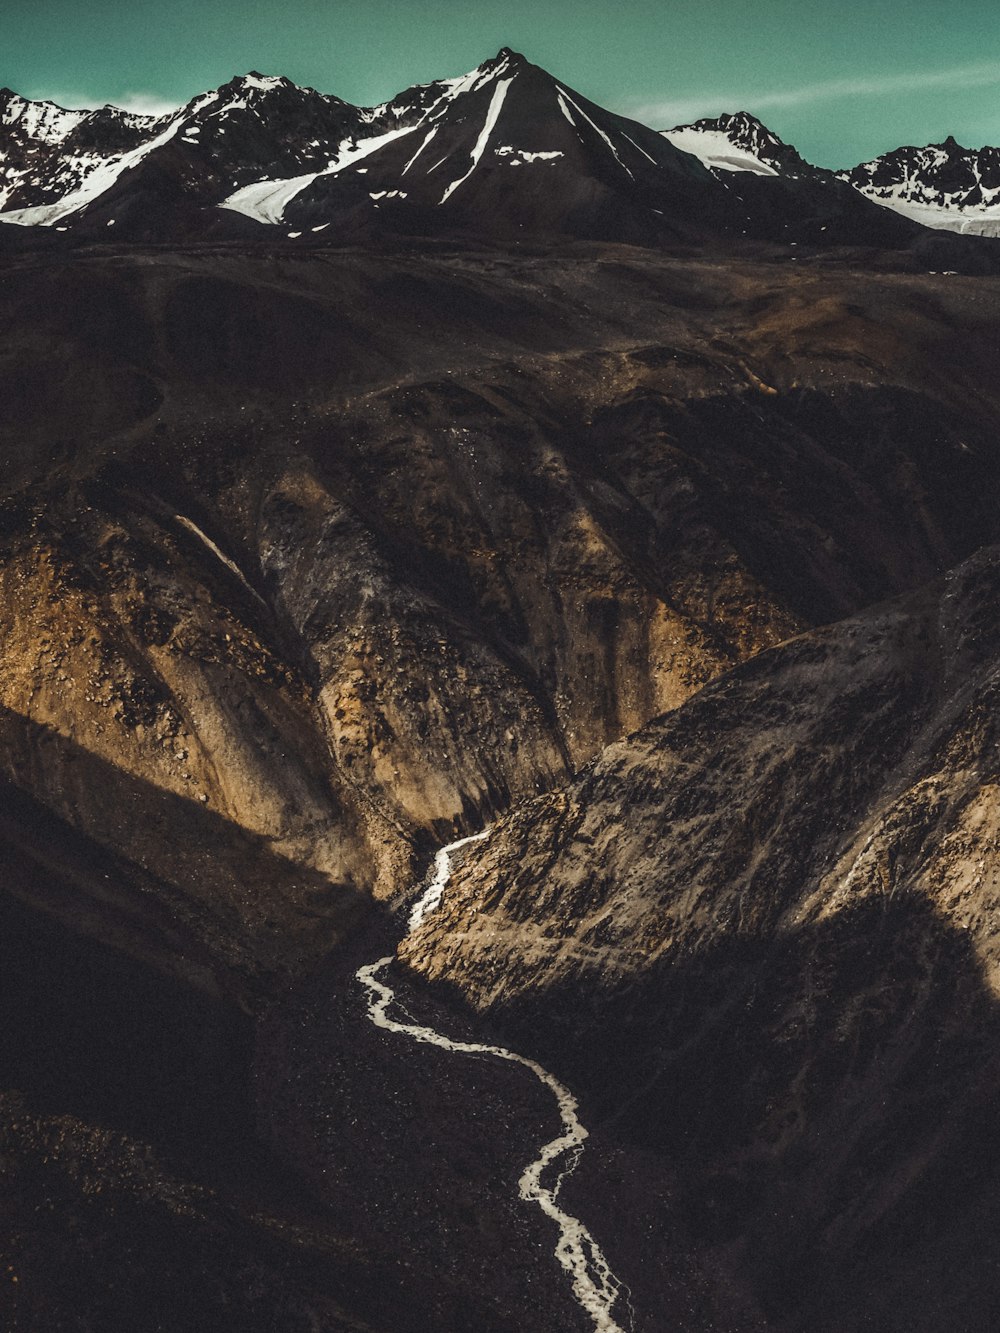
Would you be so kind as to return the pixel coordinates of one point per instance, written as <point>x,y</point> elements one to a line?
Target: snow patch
<point>265,201</point>
<point>717,151</point>
<point>965,221</point>
<point>523,155</point>
<point>262,83</point>
<point>44,122</point>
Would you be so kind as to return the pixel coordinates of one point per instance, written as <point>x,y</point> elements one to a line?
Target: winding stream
<point>595,1288</point>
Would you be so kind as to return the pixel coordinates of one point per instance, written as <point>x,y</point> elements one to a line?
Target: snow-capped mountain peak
<point>738,142</point>
<point>505,143</point>
<point>941,185</point>
<point>38,122</point>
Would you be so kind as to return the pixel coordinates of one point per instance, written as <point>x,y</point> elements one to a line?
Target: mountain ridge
<point>505,151</point>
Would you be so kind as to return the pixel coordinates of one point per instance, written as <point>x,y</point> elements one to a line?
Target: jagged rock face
<point>45,148</point>
<point>761,935</point>
<point>780,196</point>
<point>941,185</point>
<point>778,193</point>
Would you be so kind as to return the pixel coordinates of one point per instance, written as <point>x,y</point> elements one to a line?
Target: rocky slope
<point>762,935</point>
<point>312,561</point>
<point>391,580</point>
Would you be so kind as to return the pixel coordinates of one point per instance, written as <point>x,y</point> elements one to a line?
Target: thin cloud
<point>668,112</point>
<point>145,104</point>
<point>68,101</point>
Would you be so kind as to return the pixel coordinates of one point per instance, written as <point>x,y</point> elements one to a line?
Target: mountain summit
<point>739,142</point>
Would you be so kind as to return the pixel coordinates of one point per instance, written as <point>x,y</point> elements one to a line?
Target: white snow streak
<point>465,83</point>
<point>492,115</point>
<point>563,93</point>
<point>565,109</point>
<point>419,150</point>
<point>220,555</point>
<point>641,150</point>
<point>267,200</point>
<point>595,1288</point>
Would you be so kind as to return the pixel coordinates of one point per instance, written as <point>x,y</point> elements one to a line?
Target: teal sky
<point>842,79</point>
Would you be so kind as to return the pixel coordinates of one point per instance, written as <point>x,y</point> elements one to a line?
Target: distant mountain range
<point>503,151</point>
<point>942,185</point>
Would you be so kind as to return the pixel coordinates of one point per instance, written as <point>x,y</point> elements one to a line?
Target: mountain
<point>505,152</point>
<point>780,194</point>
<point>508,149</point>
<point>505,149</point>
<point>943,185</point>
<point>47,151</point>
<point>739,142</point>
<point>101,167</point>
